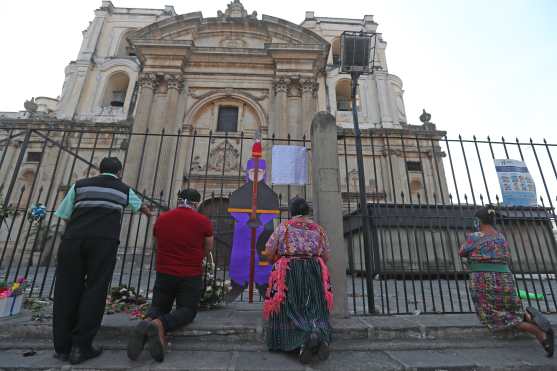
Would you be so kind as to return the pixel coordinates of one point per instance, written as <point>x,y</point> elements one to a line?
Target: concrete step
<point>518,358</point>
<point>234,326</point>
<point>192,344</point>
<point>233,339</point>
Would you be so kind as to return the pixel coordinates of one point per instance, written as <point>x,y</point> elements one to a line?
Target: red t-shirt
<point>180,235</point>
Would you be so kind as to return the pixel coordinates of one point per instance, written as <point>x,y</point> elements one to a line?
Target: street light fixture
<point>357,53</point>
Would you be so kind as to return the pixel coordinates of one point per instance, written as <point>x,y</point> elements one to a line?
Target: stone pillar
<point>167,162</point>
<point>280,113</point>
<point>384,99</point>
<point>309,95</point>
<point>148,83</point>
<point>327,204</point>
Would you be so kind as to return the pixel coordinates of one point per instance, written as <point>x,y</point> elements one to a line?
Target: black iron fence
<point>39,163</point>
<point>422,190</point>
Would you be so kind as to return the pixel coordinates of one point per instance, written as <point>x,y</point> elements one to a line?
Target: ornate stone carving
<point>294,88</point>
<point>174,82</point>
<point>309,87</point>
<point>235,9</point>
<point>281,85</point>
<point>224,153</point>
<point>228,92</point>
<point>148,80</point>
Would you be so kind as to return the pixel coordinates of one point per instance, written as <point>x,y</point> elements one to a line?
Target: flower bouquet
<point>11,297</point>
<point>123,299</point>
<point>214,289</point>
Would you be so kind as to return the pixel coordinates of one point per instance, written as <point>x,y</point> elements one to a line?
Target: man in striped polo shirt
<point>93,211</point>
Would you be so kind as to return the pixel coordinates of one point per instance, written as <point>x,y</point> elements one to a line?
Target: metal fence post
<point>15,173</point>
<point>327,203</point>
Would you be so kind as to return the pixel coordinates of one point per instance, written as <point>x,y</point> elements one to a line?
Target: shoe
<point>137,340</point>
<point>323,351</point>
<point>61,356</point>
<point>79,355</point>
<point>155,340</point>
<point>305,355</point>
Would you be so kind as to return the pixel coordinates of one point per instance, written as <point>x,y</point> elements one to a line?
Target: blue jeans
<point>186,291</point>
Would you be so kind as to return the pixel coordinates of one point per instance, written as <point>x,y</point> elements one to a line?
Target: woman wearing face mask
<point>494,290</point>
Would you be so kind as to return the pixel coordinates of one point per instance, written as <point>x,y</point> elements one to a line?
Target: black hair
<point>298,206</point>
<point>110,165</point>
<point>189,194</point>
<point>487,215</point>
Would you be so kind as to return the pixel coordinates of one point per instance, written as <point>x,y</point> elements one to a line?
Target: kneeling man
<point>184,236</point>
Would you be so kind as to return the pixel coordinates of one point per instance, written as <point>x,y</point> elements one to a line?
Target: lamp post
<point>356,50</point>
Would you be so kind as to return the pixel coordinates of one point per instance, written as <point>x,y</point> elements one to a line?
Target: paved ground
<point>232,338</point>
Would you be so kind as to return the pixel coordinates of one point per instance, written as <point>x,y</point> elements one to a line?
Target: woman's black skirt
<point>304,309</point>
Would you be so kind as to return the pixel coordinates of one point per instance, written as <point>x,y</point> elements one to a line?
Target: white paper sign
<point>290,165</point>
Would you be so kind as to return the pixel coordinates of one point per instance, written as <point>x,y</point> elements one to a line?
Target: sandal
<point>539,320</point>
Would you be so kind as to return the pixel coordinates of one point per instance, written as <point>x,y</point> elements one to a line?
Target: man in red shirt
<point>184,237</point>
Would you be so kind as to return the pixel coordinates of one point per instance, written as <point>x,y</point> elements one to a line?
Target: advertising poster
<point>517,185</point>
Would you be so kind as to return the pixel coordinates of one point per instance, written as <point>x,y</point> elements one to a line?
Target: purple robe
<point>240,254</point>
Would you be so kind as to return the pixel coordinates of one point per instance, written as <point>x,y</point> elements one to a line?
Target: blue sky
<point>483,67</point>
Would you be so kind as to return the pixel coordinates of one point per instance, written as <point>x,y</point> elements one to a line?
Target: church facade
<point>210,84</point>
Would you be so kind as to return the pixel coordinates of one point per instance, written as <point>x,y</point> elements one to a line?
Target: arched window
<point>344,95</point>
<point>335,51</point>
<point>116,90</point>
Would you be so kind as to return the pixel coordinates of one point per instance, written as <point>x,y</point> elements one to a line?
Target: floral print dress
<point>494,294</point>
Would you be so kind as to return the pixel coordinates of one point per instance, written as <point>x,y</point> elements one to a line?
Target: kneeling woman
<point>494,290</point>
<point>299,297</point>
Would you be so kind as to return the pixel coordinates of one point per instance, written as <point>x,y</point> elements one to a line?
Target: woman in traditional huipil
<point>299,296</point>
<point>493,287</point>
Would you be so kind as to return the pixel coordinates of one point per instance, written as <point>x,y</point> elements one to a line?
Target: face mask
<point>476,225</point>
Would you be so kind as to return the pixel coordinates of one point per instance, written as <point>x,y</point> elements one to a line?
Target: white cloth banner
<point>290,165</point>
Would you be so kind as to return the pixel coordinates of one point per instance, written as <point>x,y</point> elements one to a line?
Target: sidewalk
<point>232,339</point>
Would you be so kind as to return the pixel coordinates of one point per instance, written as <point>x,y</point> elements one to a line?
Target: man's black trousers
<point>187,293</point>
<point>83,274</point>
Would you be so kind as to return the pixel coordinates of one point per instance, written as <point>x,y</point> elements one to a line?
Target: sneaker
<point>80,355</point>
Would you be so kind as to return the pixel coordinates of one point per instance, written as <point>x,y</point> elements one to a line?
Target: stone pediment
<point>233,28</point>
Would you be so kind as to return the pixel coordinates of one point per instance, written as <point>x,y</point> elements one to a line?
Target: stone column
<point>148,83</point>
<point>309,95</point>
<point>280,113</point>
<point>384,99</point>
<point>168,162</point>
<point>327,204</point>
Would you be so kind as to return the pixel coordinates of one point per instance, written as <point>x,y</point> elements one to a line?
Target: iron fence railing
<point>422,189</point>
<point>213,163</point>
<point>422,192</point>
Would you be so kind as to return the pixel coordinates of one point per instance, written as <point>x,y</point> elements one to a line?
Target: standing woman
<point>494,290</point>
<point>299,297</point>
